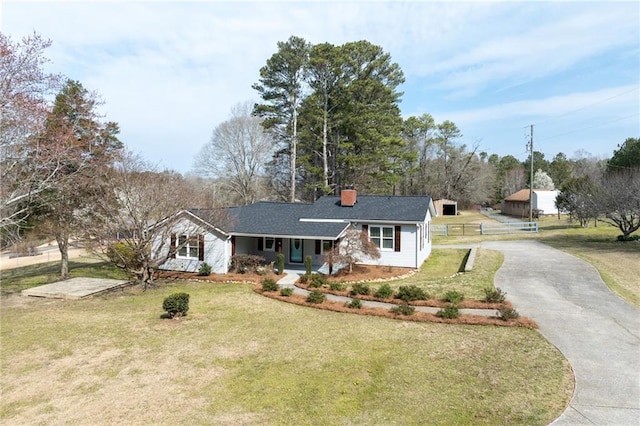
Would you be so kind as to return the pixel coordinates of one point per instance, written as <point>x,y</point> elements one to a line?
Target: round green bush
<point>176,304</point>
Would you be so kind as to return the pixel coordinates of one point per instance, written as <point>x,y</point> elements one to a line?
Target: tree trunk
<point>325,159</point>
<point>294,147</point>
<point>63,246</point>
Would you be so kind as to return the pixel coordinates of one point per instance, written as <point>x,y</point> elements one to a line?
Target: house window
<point>382,236</point>
<point>189,246</point>
<point>269,244</point>
<point>327,245</point>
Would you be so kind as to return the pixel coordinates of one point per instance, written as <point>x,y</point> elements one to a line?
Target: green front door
<point>295,250</point>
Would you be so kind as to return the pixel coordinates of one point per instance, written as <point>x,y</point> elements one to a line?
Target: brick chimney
<point>348,197</point>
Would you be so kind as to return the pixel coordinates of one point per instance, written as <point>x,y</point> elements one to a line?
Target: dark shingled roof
<point>284,219</point>
<point>373,207</point>
<point>276,219</point>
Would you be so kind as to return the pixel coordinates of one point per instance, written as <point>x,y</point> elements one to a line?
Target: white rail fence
<point>452,230</point>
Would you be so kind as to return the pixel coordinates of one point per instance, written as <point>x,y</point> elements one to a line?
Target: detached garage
<point>446,207</point>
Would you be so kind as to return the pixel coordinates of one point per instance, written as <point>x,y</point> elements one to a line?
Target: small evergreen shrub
<point>204,270</point>
<point>316,296</point>
<point>384,291</point>
<point>453,296</point>
<point>354,304</point>
<point>505,313</point>
<point>317,280</point>
<point>337,286</point>
<point>176,304</point>
<point>494,295</point>
<point>304,278</point>
<point>286,291</point>
<point>411,292</point>
<point>449,312</point>
<point>307,264</point>
<point>360,288</point>
<point>403,310</point>
<point>280,263</point>
<point>269,284</point>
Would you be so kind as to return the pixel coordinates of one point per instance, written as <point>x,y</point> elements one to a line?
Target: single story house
<point>517,204</point>
<point>398,225</point>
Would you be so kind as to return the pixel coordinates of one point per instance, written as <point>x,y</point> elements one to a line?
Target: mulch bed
<point>382,312</point>
<point>434,303</point>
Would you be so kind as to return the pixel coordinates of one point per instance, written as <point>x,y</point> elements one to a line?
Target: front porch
<point>295,250</point>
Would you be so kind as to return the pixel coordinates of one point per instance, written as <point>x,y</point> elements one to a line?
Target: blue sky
<point>170,72</point>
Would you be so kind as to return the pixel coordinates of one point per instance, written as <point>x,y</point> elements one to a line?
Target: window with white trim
<point>269,244</point>
<point>382,236</point>
<point>188,247</point>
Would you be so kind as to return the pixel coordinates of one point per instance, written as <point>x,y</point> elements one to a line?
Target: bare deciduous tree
<point>24,87</point>
<point>353,248</point>
<point>619,199</point>
<point>136,232</point>
<point>237,154</point>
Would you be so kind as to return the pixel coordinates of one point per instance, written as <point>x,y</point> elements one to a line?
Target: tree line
<point>328,117</point>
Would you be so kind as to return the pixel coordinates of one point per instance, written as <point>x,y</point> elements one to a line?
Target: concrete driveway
<point>598,332</point>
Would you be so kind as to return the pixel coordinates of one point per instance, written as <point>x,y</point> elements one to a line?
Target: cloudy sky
<point>169,72</point>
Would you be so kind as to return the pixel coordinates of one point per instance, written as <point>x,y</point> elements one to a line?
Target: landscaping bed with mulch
<point>382,312</point>
<point>434,303</point>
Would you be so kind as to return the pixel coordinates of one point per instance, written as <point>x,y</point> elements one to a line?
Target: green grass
<point>617,262</point>
<point>241,358</point>
<point>443,272</point>
<point>17,279</point>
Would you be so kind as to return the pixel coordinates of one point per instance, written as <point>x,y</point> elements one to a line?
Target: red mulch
<point>382,312</point>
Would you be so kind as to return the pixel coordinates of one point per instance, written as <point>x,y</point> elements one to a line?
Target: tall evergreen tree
<point>281,88</point>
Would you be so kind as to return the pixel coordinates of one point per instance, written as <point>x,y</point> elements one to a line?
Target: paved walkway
<point>597,332</point>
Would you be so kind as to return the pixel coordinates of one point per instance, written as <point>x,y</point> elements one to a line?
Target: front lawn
<point>240,358</point>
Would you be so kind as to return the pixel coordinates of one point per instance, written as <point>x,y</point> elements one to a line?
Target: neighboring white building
<point>544,202</point>
<point>399,225</point>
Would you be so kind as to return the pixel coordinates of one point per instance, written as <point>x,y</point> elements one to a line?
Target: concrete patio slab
<point>74,288</point>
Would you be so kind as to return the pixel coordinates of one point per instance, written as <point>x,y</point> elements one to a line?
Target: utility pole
<point>531,176</point>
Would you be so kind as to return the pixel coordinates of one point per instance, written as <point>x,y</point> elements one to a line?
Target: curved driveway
<point>598,332</point>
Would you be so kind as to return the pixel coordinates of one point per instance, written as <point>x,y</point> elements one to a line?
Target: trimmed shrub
<point>304,278</point>
<point>204,270</point>
<point>384,291</point>
<point>411,292</point>
<point>307,264</point>
<point>317,280</point>
<point>337,286</point>
<point>286,291</point>
<point>280,263</point>
<point>316,296</point>
<point>403,310</point>
<point>448,312</point>
<point>494,295</point>
<point>269,284</point>
<point>245,263</point>
<point>176,304</point>
<point>360,288</point>
<point>505,313</point>
<point>354,304</point>
<point>453,296</point>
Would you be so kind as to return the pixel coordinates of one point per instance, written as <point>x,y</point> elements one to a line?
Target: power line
<point>591,127</point>
<point>588,105</point>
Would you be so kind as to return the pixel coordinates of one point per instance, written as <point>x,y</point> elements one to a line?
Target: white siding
<point>545,201</point>
<point>217,250</point>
